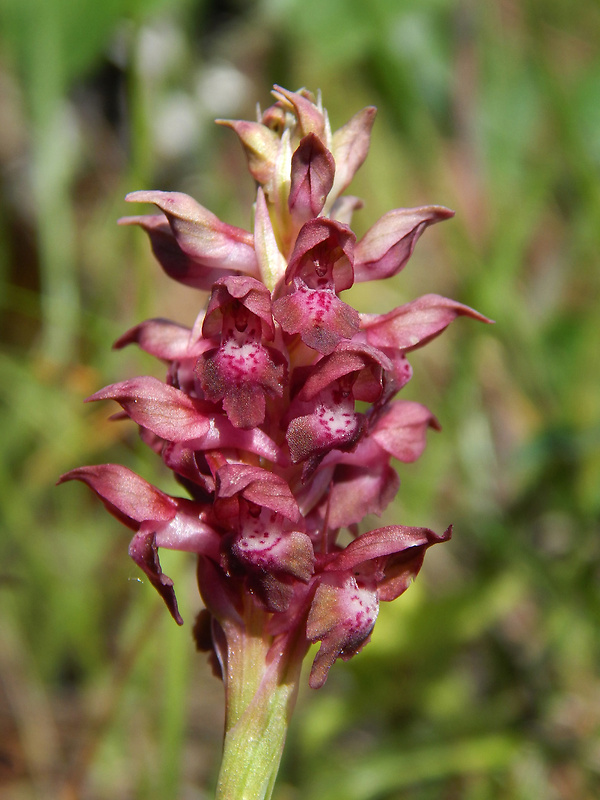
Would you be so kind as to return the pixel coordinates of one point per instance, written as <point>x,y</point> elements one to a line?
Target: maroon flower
<point>377,566</point>
<point>319,267</point>
<point>322,414</point>
<point>265,542</point>
<point>242,370</point>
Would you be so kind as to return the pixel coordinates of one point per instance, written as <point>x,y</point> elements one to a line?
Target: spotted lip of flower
<point>257,418</point>
<point>242,370</point>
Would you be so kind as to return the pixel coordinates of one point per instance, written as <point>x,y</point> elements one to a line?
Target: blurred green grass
<point>482,682</point>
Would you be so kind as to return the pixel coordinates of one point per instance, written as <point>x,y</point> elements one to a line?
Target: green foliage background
<point>482,682</point>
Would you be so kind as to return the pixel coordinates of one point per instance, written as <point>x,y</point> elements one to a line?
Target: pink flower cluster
<point>258,416</point>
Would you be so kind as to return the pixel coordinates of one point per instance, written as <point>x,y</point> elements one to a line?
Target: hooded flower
<point>376,566</point>
<point>242,370</point>
<point>319,268</point>
<point>278,415</point>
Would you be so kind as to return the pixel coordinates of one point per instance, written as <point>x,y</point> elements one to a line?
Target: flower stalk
<point>261,685</point>
<point>279,420</point>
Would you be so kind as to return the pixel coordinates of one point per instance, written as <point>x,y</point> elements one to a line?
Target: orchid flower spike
<point>259,423</point>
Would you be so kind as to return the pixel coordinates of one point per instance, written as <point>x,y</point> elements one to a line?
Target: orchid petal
<point>313,170</point>
<point>223,435</point>
<point>388,244</point>
<point>384,542</point>
<point>348,358</point>
<point>414,324</point>
<point>329,426</point>
<point>260,145</point>
<point>358,490</point>
<point>318,315</point>
<point>177,264</point>
<point>278,552</point>
<point>127,496</point>
<point>344,207</point>
<point>164,339</point>
<point>164,410</point>
<point>271,263</point>
<point>350,145</point>
<point>144,551</point>
<point>189,531</point>
<point>401,430</point>
<point>249,293</point>
<point>324,250</point>
<point>259,486</point>
<point>342,617</point>
<point>310,118</point>
<point>201,234</point>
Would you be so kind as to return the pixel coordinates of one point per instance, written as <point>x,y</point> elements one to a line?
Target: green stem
<point>261,684</point>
